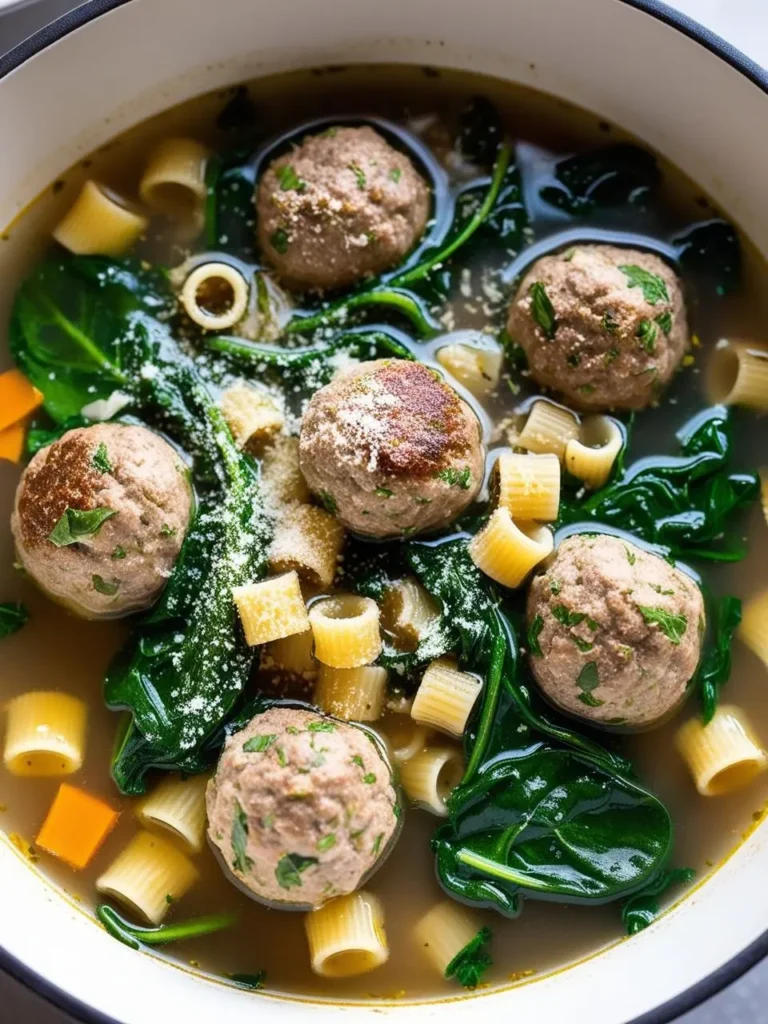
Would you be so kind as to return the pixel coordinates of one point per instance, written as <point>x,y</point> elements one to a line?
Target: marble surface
<point>744,23</point>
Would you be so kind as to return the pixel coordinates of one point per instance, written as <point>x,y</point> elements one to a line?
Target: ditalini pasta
<point>281,476</point>
<point>215,296</point>
<point>508,551</point>
<point>444,931</point>
<point>724,755</point>
<point>429,776</point>
<point>346,936</point>
<point>346,631</point>
<point>737,374</point>
<point>445,697</point>
<point>271,609</point>
<point>754,625</point>
<point>355,694</point>
<point>148,876</point>
<point>100,223</point>
<point>478,369</point>
<point>309,540</point>
<point>176,808</point>
<point>252,415</point>
<point>292,654</point>
<point>405,737</point>
<point>173,181</point>
<point>528,485</point>
<point>590,456</point>
<point>409,612</point>
<point>548,428</point>
<point>45,734</point>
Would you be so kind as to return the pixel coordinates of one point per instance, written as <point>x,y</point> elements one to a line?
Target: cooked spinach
<point>610,176</point>
<point>712,252</point>
<point>251,982</point>
<point>75,524</point>
<point>480,131</point>
<point>715,667</point>
<point>470,963</point>
<point>684,503</point>
<point>643,908</point>
<point>230,214</point>
<point>136,936</point>
<point>13,616</point>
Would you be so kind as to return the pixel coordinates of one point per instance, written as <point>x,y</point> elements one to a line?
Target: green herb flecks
<point>258,744</point>
<point>167,531</point>
<point>326,842</point>
<point>376,847</point>
<point>455,477</point>
<point>13,616</point>
<point>653,286</point>
<point>384,492</point>
<point>672,626</point>
<point>534,630</point>
<point>587,681</point>
<point>647,333</point>
<point>610,323</point>
<point>322,726</point>
<point>242,861</point>
<point>290,868</point>
<point>100,459</point>
<point>369,778</point>
<point>542,310</point>
<point>328,502</point>
<point>107,587</point>
<point>359,174</point>
<point>664,320</point>
<point>470,964</point>
<point>279,241</point>
<point>395,174</point>
<point>75,524</point>
<point>583,645</point>
<point>631,556</point>
<point>119,552</point>
<point>289,179</point>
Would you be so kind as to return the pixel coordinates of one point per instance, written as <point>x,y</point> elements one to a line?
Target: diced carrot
<point>76,826</point>
<point>18,398</point>
<point>12,441</point>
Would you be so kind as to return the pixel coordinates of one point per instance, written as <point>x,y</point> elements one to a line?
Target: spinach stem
<point>135,935</point>
<point>490,703</point>
<point>402,301</point>
<point>82,340</point>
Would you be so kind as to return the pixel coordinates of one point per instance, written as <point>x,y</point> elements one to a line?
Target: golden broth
<point>56,650</point>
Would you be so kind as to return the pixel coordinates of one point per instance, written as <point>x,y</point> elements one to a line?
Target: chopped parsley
<point>321,726</point>
<point>534,630</point>
<point>470,963</point>
<point>359,174</point>
<point>369,778</point>
<point>258,744</point>
<point>647,333</point>
<point>100,459</point>
<point>587,681</point>
<point>583,645</point>
<point>664,320</point>
<point>587,389</point>
<point>542,310</point>
<point>290,868</point>
<point>660,590</point>
<point>610,355</point>
<point>119,552</point>
<point>653,286</point>
<point>455,477</point>
<point>384,492</point>
<point>76,524</point>
<point>328,502</point>
<point>282,760</point>
<point>289,179</point>
<point>167,531</point>
<point>242,861</point>
<point>610,323</point>
<point>356,759</point>
<point>279,241</point>
<point>377,844</point>
<point>555,587</point>
<point>672,626</point>
<point>103,586</point>
<point>566,617</point>
<point>396,174</point>
<point>326,842</point>
<point>631,556</point>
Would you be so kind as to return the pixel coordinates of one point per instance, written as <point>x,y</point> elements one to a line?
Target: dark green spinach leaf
<point>13,616</point>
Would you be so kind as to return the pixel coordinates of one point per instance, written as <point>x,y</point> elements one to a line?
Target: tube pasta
<point>148,876</point>
<point>508,551</point>
<point>548,428</point>
<point>281,476</point>
<point>478,369</point>
<point>176,808</point>
<point>173,181</point>
<point>292,654</point>
<point>100,223</point>
<point>409,611</point>
<point>529,485</point>
<point>252,415</point>
<point>308,540</point>
<point>444,931</point>
<point>215,296</point>
<point>724,755</point>
<point>406,738</point>
<point>271,609</point>
<point>355,694</point>
<point>591,456</point>
<point>346,631</point>
<point>429,777</point>
<point>45,734</point>
<point>737,374</point>
<point>445,697</point>
<point>764,491</point>
<point>346,937</point>
<point>754,625</point>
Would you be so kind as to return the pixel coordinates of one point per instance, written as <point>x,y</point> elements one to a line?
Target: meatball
<point>342,205</point>
<point>614,632</point>
<point>391,449</point>
<point>302,807</point>
<point>603,326</point>
<point>100,516</point>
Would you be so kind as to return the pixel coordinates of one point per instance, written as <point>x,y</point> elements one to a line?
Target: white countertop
<point>744,23</point>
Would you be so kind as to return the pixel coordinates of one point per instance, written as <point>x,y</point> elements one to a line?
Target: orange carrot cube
<point>18,398</point>
<point>76,826</point>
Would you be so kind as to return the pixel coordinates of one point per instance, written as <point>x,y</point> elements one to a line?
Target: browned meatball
<point>342,205</point>
<point>614,632</point>
<point>603,326</point>
<point>391,449</point>
<point>100,517</point>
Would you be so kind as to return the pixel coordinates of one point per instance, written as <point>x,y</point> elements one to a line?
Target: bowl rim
<point>738,965</point>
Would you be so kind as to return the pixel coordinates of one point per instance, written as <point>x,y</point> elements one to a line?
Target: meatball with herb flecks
<point>604,327</point>
<point>614,632</point>
<point>342,205</point>
<point>100,517</point>
<point>302,807</point>
<point>391,449</point>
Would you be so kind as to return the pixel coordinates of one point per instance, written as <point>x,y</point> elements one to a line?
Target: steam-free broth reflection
<point>58,651</point>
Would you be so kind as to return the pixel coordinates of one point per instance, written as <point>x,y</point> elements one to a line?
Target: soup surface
<point>616,194</point>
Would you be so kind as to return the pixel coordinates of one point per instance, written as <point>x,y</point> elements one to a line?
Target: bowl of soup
<point>383,601</point>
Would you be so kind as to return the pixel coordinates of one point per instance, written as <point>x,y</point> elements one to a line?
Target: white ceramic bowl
<point>112,63</point>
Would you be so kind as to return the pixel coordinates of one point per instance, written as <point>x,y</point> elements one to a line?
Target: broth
<point>57,650</point>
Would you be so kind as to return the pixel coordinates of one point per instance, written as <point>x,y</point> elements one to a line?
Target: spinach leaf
<point>136,936</point>
<point>290,869</point>
<point>480,131</point>
<point>252,982</point>
<point>715,667</point>
<point>13,616</point>
<point>653,287</point>
<point>711,251</point>
<point>230,213</point>
<point>643,908</point>
<point>77,523</point>
<point>542,310</point>
<point>605,177</point>
<point>672,626</point>
<point>242,861</point>
<point>470,963</point>
<point>684,503</point>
